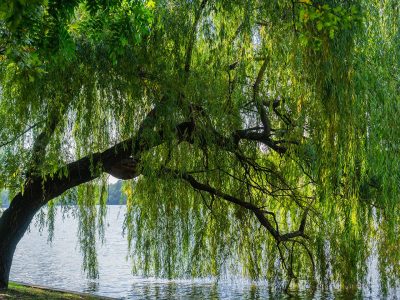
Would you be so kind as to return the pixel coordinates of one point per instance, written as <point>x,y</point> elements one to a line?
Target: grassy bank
<point>17,291</point>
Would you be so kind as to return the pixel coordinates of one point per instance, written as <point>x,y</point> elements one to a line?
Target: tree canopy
<point>258,132</point>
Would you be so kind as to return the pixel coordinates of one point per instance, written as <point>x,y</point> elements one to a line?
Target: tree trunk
<point>38,191</point>
<point>13,223</point>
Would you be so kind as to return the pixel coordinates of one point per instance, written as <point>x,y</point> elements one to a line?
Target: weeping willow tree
<point>258,137</point>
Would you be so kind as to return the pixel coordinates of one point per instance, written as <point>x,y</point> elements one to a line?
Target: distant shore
<point>115,196</point>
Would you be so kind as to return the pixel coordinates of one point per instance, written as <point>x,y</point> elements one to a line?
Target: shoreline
<point>20,290</point>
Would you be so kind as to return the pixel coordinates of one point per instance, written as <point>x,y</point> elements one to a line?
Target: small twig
<point>19,135</point>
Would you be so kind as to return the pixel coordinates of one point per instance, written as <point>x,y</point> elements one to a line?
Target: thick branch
<point>121,160</point>
<point>260,107</point>
<point>259,137</point>
<point>43,139</point>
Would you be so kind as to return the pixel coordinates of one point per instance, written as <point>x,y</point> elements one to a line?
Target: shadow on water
<point>224,290</point>
<point>92,286</point>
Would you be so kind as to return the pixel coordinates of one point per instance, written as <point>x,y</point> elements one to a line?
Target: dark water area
<point>58,265</point>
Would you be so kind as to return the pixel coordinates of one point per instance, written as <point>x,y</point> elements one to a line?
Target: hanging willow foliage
<point>258,138</point>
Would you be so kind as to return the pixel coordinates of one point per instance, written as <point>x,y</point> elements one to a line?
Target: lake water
<point>58,265</point>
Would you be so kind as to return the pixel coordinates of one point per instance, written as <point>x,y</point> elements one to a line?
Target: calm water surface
<point>58,265</point>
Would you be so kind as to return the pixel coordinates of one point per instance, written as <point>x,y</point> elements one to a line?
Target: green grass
<point>17,291</point>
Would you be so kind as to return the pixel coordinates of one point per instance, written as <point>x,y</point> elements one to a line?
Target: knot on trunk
<point>124,169</point>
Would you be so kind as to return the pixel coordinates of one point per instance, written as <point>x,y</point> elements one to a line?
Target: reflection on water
<point>58,265</point>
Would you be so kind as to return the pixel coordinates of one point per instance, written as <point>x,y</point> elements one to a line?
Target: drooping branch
<point>258,212</point>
